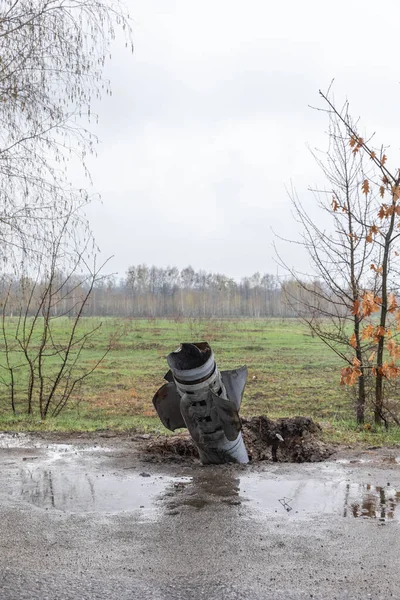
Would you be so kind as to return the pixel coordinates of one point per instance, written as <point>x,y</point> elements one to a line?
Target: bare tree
<point>52,58</point>
<point>382,223</point>
<point>340,257</point>
<point>44,346</point>
<point>357,261</point>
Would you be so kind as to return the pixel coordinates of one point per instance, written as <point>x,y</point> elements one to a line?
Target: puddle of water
<point>77,492</point>
<point>207,488</point>
<point>60,480</point>
<point>15,440</point>
<point>73,490</point>
<point>23,442</point>
<point>395,460</point>
<point>307,497</point>
<point>355,461</point>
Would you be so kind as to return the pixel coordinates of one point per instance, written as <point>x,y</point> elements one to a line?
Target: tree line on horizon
<point>157,292</point>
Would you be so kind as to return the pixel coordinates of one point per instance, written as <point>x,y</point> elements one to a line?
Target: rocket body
<point>206,401</point>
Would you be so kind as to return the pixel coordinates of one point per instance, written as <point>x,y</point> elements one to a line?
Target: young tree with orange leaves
<point>381,190</point>
<point>340,259</point>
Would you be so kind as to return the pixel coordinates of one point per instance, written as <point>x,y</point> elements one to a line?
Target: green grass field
<point>290,373</point>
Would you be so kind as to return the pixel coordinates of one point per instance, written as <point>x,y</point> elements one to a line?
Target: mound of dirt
<point>176,446</point>
<point>284,440</point>
<point>293,439</point>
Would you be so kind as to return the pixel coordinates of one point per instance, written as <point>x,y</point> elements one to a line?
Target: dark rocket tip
<point>189,356</point>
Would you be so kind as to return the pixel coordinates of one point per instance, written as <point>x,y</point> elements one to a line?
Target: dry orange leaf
<point>369,303</point>
<point>349,375</point>
<point>378,270</point>
<point>356,144</point>
<point>356,308</point>
<point>390,370</point>
<point>392,302</point>
<point>379,332</point>
<point>367,332</point>
<point>393,349</point>
<point>383,211</point>
<point>372,231</point>
<point>353,341</point>
<point>396,191</point>
<point>365,186</point>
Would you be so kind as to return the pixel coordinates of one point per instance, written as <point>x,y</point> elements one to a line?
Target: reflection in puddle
<point>376,502</point>
<point>77,491</point>
<point>83,492</point>
<point>299,498</point>
<point>210,487</point>
<point>313,497</point>
<point>67,478</point>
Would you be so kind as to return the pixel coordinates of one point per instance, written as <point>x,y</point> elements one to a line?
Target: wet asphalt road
<point>83,522</point>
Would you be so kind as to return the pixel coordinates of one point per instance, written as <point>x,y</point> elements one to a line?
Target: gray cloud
<point>209,120</point>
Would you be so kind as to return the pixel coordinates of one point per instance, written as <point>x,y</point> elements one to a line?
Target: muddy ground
<point>99,516</point>
<point>294,439</point>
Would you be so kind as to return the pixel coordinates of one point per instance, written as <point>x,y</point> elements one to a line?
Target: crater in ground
<point>294,439</point>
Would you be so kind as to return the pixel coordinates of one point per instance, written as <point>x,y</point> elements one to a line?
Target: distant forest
<point>152,292</point>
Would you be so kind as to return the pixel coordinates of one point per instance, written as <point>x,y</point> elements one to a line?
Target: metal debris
<point>205,401</point>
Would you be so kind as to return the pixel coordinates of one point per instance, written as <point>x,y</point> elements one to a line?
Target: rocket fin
<point>169,377</point>
<point>234,382</point>
<point>167,404</point>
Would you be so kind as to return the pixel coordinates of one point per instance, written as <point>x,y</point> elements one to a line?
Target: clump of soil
<point>284,440</point>
<point>176,446</point>
<point>293,439</point>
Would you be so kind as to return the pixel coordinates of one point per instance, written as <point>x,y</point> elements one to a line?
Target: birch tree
<point>52,56</point>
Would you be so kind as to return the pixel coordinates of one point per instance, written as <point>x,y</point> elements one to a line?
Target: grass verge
<point>290,373</point>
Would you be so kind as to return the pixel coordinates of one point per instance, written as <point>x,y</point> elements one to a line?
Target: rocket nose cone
<point>189,356</point>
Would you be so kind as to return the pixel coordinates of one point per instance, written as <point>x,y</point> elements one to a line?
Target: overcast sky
<point>209,123</point>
